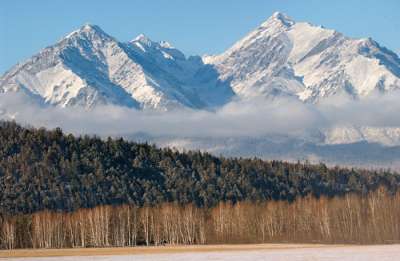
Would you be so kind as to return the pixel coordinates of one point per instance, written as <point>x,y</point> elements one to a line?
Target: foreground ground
<point>292,252</point>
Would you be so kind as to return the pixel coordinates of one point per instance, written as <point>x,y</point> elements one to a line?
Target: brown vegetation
<point>372,218</point>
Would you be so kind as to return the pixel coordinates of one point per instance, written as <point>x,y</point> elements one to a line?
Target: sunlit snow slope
<point>283,57</point>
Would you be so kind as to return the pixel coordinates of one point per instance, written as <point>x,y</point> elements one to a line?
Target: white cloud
<point>252,118</point>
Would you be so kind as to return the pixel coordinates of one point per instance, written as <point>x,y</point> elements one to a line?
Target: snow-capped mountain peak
<point>166,44</point>
<point>91,28</point>
<point>284,57</point>
<point>146,41</point>
<point>280,18</point>
<point>143,39</point>
<point>163,48</point>
<point>280,57</point>
<point>89,67</point>
<point>88,31</point>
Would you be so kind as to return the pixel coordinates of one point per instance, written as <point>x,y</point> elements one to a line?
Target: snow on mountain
<point>299,59</point>
<point>195,84</point>
<point>89,67</point>
<point>389,136</point>
<point>281,57</point>
<point>356,153</point>
<point>75,71</point>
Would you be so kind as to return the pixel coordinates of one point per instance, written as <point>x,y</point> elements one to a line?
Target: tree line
<point>348,219</point>
<point>49,170</point>
<point>61,190</point>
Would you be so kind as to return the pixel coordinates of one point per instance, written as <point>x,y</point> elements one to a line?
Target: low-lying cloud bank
<point>283,116</point>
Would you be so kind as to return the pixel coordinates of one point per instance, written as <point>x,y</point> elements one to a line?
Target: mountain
<point>280,57</point>
<point>88,67</point>
<point>354,153</point>
<point>283,57</point>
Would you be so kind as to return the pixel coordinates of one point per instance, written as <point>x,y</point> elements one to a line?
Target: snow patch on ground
<point>331,253</point>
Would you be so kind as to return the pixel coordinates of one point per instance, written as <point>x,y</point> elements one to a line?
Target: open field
<point>296,252</point>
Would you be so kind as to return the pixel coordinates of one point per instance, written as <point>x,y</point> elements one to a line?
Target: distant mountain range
<point>280,58</point>
<point>88,67</point>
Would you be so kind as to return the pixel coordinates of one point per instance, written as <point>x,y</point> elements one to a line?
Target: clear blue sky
<point>195,27</point>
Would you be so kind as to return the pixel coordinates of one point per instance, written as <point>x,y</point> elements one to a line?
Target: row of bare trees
<point>373,218</point>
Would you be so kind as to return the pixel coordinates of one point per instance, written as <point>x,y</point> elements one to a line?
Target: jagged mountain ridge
<point>280,57</point>
<point>309,62</point>
<point>89,67</point>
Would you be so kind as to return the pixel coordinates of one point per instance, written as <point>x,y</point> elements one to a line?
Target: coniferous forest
<point>58,190</point>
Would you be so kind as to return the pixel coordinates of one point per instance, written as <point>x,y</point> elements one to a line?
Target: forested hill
<point>41,169</point>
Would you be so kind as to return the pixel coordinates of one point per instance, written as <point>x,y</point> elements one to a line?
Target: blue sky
<point>195,27</point>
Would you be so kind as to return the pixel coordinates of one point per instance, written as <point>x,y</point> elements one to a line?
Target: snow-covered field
<point>342,253</point>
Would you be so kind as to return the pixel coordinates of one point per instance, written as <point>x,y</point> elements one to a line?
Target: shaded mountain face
<point>78,70</point>
<point>279,58</point>
<point>88,67</point>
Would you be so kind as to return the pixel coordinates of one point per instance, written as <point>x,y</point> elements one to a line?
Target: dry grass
<point>150,250</point>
